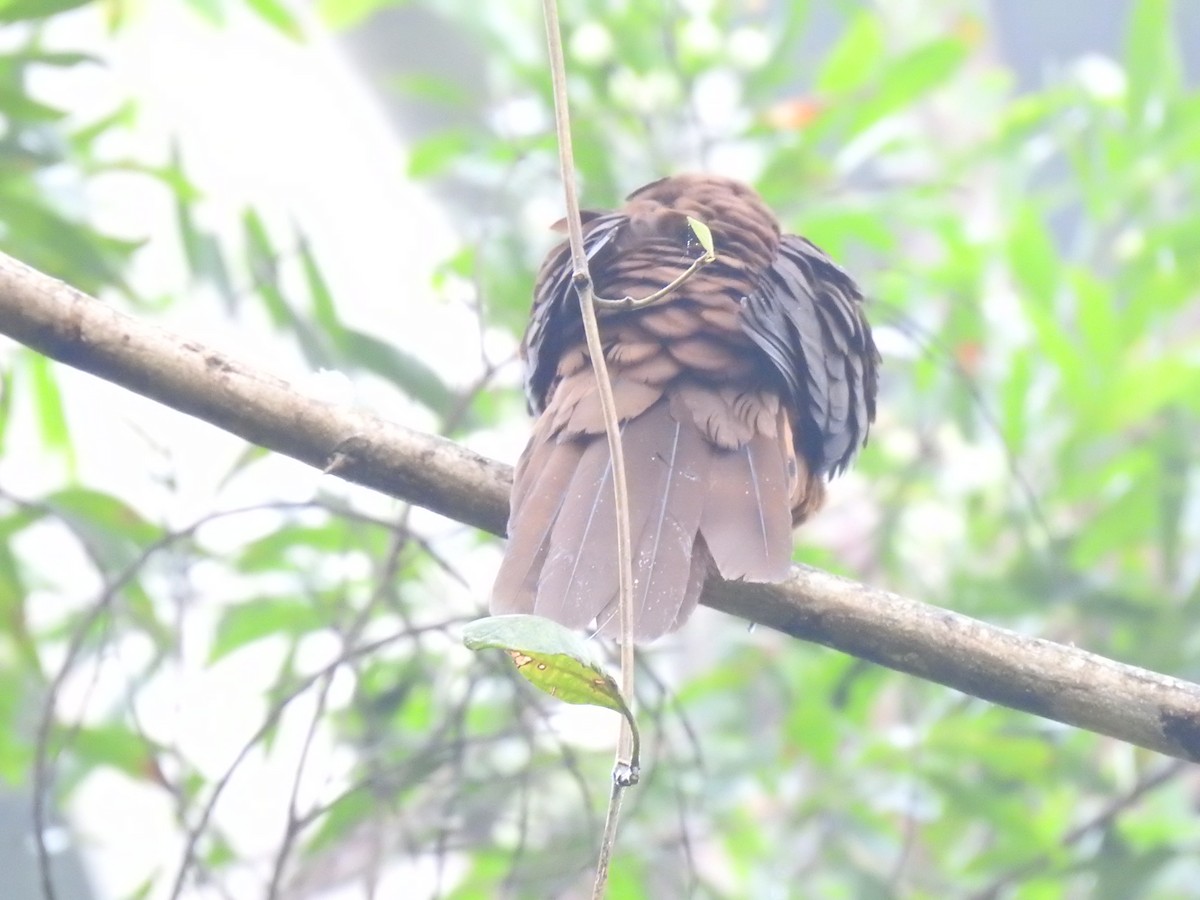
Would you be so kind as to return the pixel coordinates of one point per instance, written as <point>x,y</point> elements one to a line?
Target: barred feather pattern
<point>738,396</point>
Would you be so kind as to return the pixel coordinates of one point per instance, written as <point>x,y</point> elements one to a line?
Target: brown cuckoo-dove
<point>738,395</point>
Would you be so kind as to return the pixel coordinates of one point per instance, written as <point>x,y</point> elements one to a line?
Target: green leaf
<point>324,308</point>
<point>1033,256</point>
<point>433,155</point>
<point>116,746</point>
<point>66,59</point>
<point>429,88</point>
<point>277,14</point>
<point>15,747</point>
<point>261,618</point>
<point>51,411</point>
<point>250,455</point>
<point>14,593</point>
<point>345,814</point>
<point>205,258</point>
<point>1014,400</point>
<point>123,116</point>
<point>909,78</point>
<point>1099,324</point>
<point>342,14</point>
<point>24,108</point>
<point>263,260</point>
<point>114,532</point>
<point>553,658</point>
<point>278,549</point>
<point>1119,525</point>
<point>66,249</point>
<point>1144,386</point>
<point>410,374</point>
<point>212,11</point>
<point>1151,56</point>
<point>6,393</point>
<point>18,10</point>
<point>855,58</point>
<point>837,228</point>
<point>703,235</point>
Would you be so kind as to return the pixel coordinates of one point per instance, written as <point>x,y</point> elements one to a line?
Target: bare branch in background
<point>1055,681</point>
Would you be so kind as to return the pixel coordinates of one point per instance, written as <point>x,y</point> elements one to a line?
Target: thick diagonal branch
<point>1047,679</point>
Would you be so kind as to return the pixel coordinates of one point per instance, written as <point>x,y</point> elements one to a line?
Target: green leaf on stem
<point>555,659</point>
<point>703,235</point>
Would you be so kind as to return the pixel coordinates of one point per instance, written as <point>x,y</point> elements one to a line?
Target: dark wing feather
<point>555,324</point>
<point>806,316</point>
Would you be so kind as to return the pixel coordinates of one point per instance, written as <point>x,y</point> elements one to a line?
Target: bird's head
<point>741,224</point>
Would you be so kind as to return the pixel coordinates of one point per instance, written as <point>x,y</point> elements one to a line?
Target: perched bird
<point>738,395</point>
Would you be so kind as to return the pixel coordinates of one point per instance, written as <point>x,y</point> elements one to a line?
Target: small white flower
<point>644,93</point>
<point>591,44</point>
<point>749,48</point>
<point>700,37</point>
<point>1100,76</point>
<point>1129,244</point>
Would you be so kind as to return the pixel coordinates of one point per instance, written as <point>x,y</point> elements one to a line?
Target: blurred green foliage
<point>1034,264</point>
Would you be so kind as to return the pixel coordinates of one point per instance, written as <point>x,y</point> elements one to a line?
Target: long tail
<point>713,481</point>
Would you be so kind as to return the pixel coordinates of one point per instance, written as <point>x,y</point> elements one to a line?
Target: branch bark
<point>1051,680</point>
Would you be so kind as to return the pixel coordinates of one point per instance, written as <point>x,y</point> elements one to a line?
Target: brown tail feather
<point>539,491</point>
<point>666,463</point>
<point>694,507</point>
<point>580,573</point>
<point>747,522</point>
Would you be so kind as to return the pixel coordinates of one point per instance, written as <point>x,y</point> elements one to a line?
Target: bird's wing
<point>806,315</point>
<point>555,324</point>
